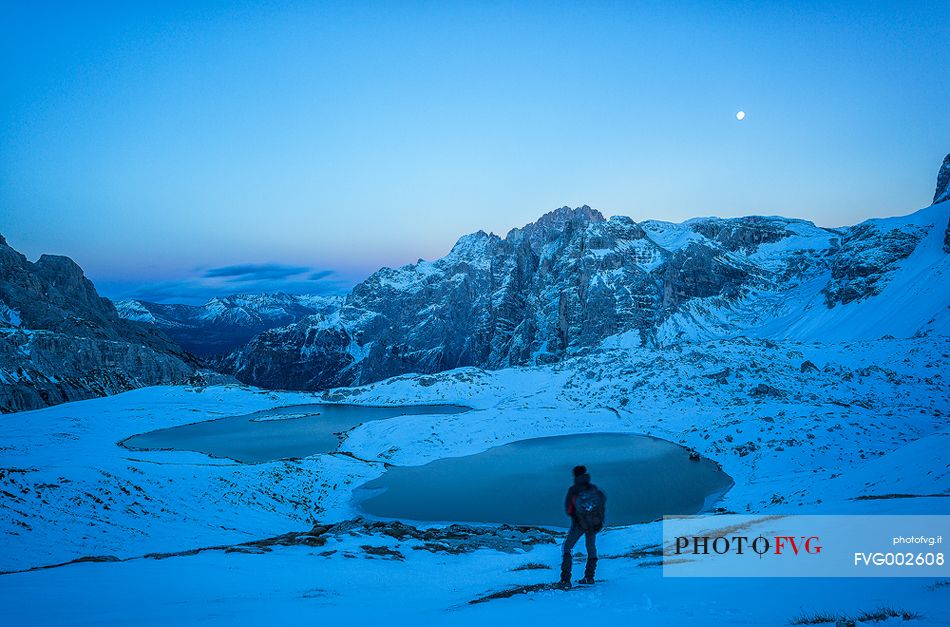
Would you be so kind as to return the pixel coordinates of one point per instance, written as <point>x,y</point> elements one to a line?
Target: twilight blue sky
<point>180,149</point>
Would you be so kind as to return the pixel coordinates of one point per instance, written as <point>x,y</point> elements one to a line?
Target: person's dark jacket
<point>581,483</point>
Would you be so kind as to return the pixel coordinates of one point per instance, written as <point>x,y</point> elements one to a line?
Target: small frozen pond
<point>281,433</point>
<point>524,482</point>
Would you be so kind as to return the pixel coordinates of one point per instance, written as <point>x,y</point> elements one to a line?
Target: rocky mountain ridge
<point>60,341</point>
<point>574,281</point>
<point>567,284</point>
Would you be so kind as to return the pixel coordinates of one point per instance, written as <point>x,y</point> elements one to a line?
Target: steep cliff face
<point>60,341</point>
<point>942,192</point>
<point>867,255</point>
<point>572,280</point>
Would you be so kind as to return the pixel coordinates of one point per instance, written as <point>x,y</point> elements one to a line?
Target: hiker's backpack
<point>589,509</point>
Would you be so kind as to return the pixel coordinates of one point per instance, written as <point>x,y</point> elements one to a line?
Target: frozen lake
<point>281,433</point>
<point>524,482</point>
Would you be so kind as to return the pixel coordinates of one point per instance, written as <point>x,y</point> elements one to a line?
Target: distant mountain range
<point>224,324</point>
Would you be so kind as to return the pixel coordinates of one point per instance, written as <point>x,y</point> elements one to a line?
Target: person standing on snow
<point>586,504</point>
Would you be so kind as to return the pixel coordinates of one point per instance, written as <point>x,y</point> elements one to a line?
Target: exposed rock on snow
<point>868,254</point>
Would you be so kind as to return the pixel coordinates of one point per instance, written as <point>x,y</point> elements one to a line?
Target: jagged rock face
<point>562,285</point>
<point>60,341</point>
<point>53,294</point>
<point>224,324</point>
<point>745,234</point>
<point>942,192</point>
<point>551,289</point>
<point>699,271</point>
<point>867,254</point>
<point>320,359</point>
<point>531,297</point>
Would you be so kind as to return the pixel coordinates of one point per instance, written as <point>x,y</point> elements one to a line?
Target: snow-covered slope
<point>884,277</point>
<point>763,409</point>
<point>802,427</point>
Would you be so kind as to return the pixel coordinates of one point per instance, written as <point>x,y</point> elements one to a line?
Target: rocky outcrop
<point>745,234</point>
<point>320,357</point>
<point>60,341</point>
<point>866,256</point>
<point>224,324</point>
<point>942,192</point>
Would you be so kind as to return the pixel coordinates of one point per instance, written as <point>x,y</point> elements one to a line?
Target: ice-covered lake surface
<point>283,433</point>
<point>524,482</point>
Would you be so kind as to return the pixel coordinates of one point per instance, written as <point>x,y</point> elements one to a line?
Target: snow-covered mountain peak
<point>556,222</point>
<point>568,282</point>
<point>473,244</point>
<point>134,310</point>
<point>565,214</point>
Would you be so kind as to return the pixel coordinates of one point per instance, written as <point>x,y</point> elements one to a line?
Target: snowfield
<point>801,427</point>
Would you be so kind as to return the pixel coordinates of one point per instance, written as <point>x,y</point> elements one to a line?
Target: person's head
<point>579,470</point>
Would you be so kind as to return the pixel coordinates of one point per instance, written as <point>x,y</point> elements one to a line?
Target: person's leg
<point>573,535</point>
<point>590,538</point>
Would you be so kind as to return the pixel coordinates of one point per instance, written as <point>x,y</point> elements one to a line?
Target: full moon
<point>740,115</point>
